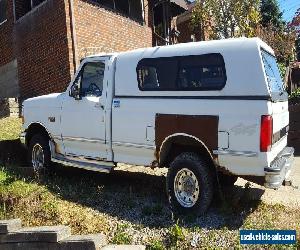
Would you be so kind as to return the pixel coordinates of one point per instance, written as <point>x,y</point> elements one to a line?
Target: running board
<point>103,167</point>
<point>79,162</point>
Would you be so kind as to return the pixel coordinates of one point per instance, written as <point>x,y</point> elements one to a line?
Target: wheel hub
<point>186,187</point>
<point>37,157</point>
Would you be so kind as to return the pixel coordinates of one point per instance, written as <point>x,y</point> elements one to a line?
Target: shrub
<point>155,245</point>
<point>121,237</point>
<point>294,97</point>
<point>176,234</point>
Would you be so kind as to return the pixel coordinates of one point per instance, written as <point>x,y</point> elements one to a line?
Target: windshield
<point>273,74</point>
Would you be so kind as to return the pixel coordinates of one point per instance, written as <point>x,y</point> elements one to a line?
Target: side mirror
<point>75,92</point>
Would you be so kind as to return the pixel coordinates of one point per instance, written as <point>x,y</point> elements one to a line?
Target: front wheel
<point>39,153</point>
<point>190,184</point>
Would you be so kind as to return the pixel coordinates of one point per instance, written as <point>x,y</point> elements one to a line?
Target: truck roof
<point>240,43</point>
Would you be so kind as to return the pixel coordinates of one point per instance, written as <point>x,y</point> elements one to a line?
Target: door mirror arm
<point>75,92</point>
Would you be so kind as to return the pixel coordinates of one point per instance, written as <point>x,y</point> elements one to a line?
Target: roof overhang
<point>181,3</point>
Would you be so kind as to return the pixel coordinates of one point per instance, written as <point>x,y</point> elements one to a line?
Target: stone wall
<point>294,133</point>
<point>9,107</point>
<point>9,86</point>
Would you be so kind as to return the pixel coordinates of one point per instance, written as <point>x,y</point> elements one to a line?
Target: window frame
<point>275,96</point>
<point>177,73</point>
<point>33,8</point>
<point>4,20</point>
<point>115,10</point>
<point>80,75</point>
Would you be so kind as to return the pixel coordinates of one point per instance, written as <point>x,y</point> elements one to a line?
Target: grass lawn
<point>130,207</point>
<point>10,128</point>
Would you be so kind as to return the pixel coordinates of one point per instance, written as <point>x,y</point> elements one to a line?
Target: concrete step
<point>7,226</point>
<point>87,242</point>
<point>13,237</point>
<point>37,234</point>
<point>76,242</point>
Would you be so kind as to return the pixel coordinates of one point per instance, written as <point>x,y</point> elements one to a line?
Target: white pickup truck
<point>208,111</point>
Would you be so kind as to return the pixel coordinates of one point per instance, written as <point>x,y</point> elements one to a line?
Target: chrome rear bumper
<point>279,169</point>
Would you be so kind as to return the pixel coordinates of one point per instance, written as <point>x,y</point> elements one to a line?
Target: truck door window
<point>92,79</point>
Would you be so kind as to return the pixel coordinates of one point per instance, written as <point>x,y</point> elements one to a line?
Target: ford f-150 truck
<point>208,111</point>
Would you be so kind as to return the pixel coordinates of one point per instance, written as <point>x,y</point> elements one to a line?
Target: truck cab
<point>200,109</point>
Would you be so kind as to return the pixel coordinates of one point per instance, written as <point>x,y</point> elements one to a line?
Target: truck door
<point>83,112</point>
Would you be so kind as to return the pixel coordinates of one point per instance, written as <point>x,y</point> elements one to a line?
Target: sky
<point>289,8</point>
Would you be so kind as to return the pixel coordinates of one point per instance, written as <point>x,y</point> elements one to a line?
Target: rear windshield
<point>273,76</point>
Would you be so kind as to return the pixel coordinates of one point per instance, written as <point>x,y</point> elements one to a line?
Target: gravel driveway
<point>285,195</point>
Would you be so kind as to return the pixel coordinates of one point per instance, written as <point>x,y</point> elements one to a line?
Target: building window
<point>182,73</point>
<point>22,7</point>
<point>130,8</point>
<point>3,9</point>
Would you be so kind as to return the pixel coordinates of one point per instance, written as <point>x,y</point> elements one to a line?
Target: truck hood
<point>51,100</point>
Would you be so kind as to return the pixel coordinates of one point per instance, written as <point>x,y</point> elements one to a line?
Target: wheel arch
<point>36,128</point>
<point>177,143</point>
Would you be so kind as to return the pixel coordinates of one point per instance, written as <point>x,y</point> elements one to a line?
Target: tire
<point>227,180</point>
<point>39,155</point>
<point>195,194</point>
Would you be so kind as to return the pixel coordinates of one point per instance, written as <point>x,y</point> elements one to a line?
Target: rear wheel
<point>39,153</point>
<point>190,184</point>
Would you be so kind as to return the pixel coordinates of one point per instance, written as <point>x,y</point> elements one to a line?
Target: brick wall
<point>41,40</point>
<point>42,50</point>
<point>102,30</point>
<point>6,36</point>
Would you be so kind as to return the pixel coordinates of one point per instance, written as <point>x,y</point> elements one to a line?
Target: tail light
<point>266,133</point>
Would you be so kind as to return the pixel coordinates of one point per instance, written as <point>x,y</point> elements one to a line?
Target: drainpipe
<point>73,34</point>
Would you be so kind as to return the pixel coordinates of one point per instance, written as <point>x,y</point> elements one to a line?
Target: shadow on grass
<point>141,198</point>
<point>137,197</point>
<point>12,152</point>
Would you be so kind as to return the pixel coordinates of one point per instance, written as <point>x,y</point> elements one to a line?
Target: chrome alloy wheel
<point>186,188</point>
<point>37,158</point>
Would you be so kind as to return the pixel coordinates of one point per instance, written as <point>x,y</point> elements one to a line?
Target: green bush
<point>295,93</point>
<point>121,237</point>
<point>176,234</point>
<point>282,69</point>
<point>155,245</point>
<point>294,97</point>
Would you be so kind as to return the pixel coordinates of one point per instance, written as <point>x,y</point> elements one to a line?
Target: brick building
<point>42,41</point>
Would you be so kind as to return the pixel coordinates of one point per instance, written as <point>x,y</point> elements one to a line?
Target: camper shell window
<point>182,73</point>
<point>273,76</point>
